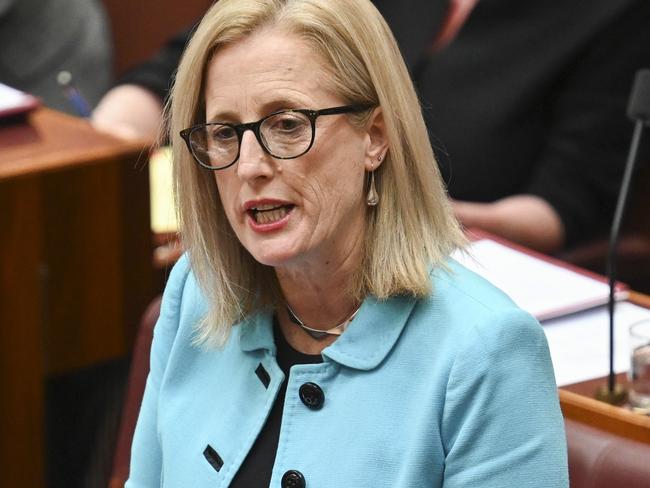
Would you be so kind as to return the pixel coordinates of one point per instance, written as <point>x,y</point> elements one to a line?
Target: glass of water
<point>639,374</point>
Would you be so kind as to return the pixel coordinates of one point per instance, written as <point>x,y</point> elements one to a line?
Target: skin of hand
<point>525,219</point>
<point>129,112</point>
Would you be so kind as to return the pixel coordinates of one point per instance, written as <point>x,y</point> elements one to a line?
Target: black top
<point>257,467</point>
<point>529,98</point>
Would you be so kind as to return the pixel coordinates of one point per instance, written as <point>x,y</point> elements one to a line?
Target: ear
<point>377,140</point>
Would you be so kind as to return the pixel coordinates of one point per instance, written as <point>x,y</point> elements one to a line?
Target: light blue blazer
<point>455,390</point>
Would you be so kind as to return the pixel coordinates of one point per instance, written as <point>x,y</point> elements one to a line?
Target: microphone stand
<point>639,110</point>
<point>616,394</point>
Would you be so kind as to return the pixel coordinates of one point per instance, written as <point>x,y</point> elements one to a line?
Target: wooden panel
<point>97,244</point>
<point>640,299</point>
<point>51,141</point>
<point>83,256</point>
<point>75,267</point>
<point>605,417</point>
<point>98,253</point>
<point>137,243</point>
<point>590,387</point>
<point>21,357</point>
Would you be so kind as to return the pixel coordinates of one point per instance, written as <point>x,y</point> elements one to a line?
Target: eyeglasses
<point>286,134</point>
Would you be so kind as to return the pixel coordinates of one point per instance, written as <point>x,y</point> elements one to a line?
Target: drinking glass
<point>639,374</point>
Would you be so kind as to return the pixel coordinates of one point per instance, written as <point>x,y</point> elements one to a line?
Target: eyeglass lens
<point>284,135</point>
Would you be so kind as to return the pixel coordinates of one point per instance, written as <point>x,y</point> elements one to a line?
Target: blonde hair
<point>410,231</point>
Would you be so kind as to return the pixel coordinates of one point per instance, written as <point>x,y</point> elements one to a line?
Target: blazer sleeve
<point>146,453</point>
<point>502,425</point>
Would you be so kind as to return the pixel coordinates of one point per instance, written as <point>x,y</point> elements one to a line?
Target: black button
<point>312,396</point>
<point>293,479</point>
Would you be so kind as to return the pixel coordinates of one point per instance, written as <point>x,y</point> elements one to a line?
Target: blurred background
<point>75,334</point>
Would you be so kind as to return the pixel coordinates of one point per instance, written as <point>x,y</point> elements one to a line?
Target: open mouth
<point>267,214</point>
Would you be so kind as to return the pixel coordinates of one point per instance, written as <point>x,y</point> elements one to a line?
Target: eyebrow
<point>266,108</point>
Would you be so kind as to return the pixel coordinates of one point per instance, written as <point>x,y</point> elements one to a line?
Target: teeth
<point>268,216</point>
<point>268,206</point>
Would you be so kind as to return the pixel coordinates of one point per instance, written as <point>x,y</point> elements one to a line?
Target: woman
<point>316,222</point>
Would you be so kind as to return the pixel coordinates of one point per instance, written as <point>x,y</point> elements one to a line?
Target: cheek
<point>227,193</point>
<point>335,188</point>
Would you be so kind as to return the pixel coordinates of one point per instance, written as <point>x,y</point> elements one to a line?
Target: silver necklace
<point>317,333</point>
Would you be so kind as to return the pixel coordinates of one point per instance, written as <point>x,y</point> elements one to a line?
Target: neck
<point>318,292</point>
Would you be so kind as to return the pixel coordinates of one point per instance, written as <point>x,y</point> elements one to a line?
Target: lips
<point>269,214</point>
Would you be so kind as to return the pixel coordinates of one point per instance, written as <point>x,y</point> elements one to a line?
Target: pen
<point>78,102</point>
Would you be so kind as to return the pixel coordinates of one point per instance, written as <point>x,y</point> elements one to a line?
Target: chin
<point>272,255</point>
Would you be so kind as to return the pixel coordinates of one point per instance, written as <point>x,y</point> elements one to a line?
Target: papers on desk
<point>579,343</point>
<point>571,304</point>
<point>539,286</point>
<point>14,102</point>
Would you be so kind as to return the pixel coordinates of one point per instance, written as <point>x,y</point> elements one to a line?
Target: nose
<point>253,161</point>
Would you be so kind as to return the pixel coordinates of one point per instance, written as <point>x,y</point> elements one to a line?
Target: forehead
<point>268,70</point>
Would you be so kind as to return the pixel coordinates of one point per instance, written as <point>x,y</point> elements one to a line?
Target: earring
<point>373,197</point>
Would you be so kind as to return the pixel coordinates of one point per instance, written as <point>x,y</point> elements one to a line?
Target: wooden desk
<point>75,267</point>
<point>578,403</point>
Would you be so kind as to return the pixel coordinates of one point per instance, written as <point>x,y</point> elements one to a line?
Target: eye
<point>221,133</point>
<point>287,123</point>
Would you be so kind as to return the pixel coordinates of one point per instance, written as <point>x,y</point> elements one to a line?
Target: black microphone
<point>638,110</point>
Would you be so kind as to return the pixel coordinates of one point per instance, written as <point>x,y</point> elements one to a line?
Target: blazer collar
<point>365,343</point>
<point>256,332</point>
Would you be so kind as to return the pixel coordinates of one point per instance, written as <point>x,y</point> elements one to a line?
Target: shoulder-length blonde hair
<point>412,228</point>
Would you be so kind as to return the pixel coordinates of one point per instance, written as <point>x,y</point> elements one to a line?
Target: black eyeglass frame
<point>239,129</point>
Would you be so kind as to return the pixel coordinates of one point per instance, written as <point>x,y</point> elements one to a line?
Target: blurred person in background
<point>41,38</point>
